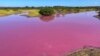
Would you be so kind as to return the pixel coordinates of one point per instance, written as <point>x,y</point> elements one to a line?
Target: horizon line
<point>49,6</point>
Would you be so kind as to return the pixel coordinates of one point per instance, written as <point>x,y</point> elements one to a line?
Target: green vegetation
<point>33,13</point>
<point>46,11</point>
<point>6,12</point>
<point>99,13</point>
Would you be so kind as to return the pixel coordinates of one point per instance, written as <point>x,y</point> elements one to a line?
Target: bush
<point>99,13</point>
<point>46,11</point>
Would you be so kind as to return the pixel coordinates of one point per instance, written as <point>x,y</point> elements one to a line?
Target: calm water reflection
<point>47,18</point>
<point>22,36</point>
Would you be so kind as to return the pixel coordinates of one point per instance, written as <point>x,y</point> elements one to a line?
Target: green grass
<point>33,13</point>
<point>6,12</point>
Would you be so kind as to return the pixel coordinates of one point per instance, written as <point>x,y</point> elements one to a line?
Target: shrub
<point>99,13</point>
<point>46,11</point>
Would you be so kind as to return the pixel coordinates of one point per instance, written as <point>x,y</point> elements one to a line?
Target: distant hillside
<point>86,51</point>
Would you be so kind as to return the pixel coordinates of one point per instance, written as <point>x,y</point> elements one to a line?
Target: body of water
<point>38,36</point>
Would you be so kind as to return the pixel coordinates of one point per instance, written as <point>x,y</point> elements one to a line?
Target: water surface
<point>22,36</point>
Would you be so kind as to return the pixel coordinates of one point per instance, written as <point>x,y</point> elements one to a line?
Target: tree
<point>46,11</point>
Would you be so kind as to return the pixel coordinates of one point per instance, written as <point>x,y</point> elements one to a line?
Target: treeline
<point>55,7</point>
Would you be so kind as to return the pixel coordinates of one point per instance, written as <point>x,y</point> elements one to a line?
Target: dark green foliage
<point>46,11</point>
<point>99,13</point>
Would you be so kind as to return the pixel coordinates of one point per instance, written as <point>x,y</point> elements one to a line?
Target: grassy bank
<point>34,11</point>
<point>86,51</point>
<point>6,12</point>
<point>31,12</point>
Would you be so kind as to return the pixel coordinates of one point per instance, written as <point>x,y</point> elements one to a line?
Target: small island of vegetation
<point>47,11</point>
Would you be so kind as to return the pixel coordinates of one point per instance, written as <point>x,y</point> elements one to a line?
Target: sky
<point>21,3</point>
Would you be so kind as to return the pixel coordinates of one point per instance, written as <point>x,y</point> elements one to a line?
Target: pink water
<point>22,36</point>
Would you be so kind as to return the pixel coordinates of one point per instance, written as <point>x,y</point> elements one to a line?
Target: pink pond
<point>22,36</point>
